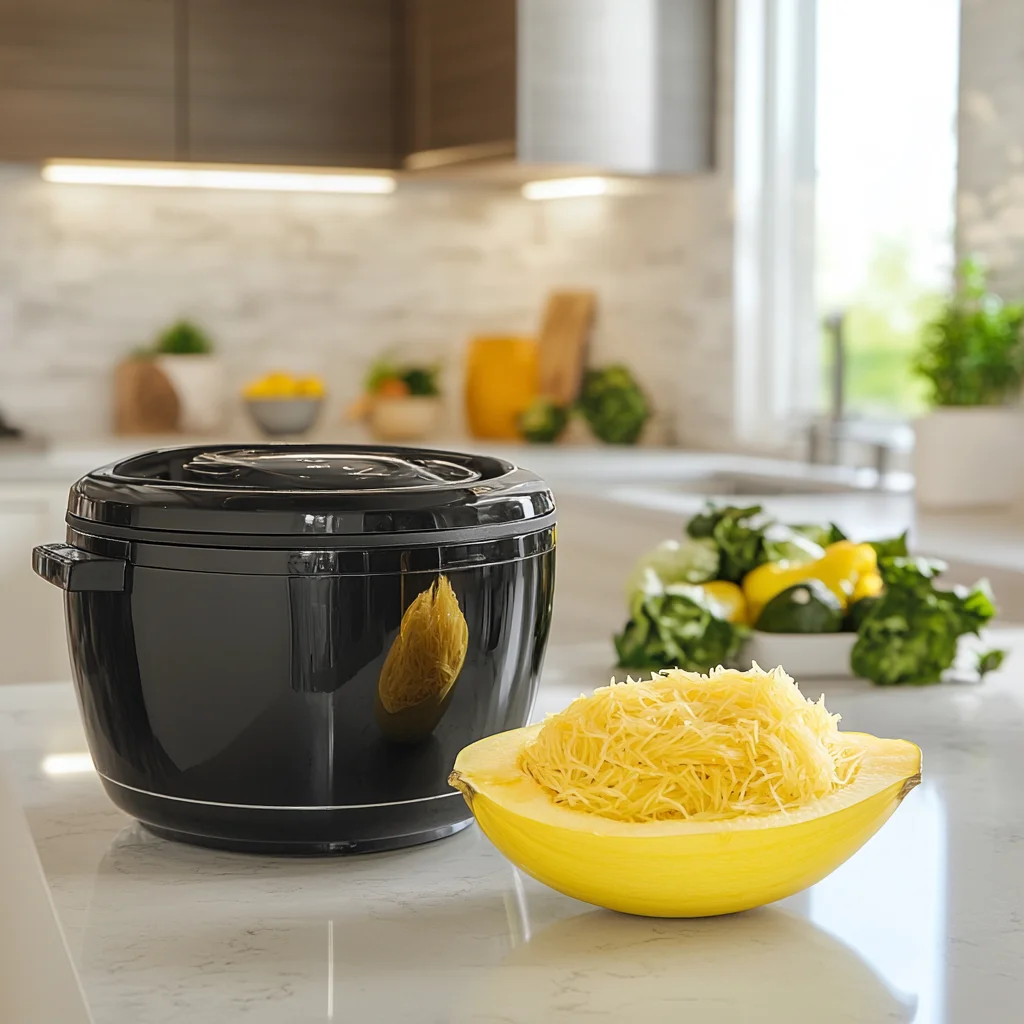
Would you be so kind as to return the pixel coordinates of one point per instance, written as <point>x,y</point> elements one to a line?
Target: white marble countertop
<point>925,924</point>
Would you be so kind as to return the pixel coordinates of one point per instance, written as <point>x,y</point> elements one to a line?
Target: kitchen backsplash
<point>325,283</point>
<point>990,189</point>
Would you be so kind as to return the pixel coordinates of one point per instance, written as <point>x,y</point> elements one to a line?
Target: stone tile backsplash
<point>990,185</point>
<point>326,283</point>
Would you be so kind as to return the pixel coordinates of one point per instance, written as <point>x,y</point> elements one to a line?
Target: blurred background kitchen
<point>728,227</point>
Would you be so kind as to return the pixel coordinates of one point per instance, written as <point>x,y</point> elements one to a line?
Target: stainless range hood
<point>611,86</point>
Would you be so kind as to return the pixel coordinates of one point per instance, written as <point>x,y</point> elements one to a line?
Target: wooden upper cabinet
<point>87,78</point>
<point>460,87</point>
<point>292,81</point>
<point>323,82</point>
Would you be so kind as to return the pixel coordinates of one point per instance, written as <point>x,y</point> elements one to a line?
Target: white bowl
<point>404,419</point>
<point>802,655</point>
<point>279,417</point>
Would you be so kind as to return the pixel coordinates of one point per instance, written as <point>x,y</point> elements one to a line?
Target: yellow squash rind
<point>679,868</point>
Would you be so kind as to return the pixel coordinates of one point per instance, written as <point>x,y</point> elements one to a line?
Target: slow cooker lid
<point>302,490</point>
<point>334,470</point>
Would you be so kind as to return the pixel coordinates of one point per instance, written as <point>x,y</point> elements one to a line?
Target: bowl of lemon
<point>282,404</point>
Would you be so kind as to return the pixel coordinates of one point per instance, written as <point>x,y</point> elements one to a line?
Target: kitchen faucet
<point>826,436</point>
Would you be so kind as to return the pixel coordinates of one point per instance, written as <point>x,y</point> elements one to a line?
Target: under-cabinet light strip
<point>216,177</point>
<point>565,188</point>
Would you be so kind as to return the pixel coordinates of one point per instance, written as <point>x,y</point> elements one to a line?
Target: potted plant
<point>184,353</point>
<point>401,402</point>
<point>967,449</point>
<point>174,384</point>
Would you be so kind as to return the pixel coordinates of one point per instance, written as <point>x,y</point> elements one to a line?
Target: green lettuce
<point>672,561</point>
<point>894,547</point>
<point>739,534</point>
<point>676,626</point>
<point>786,544</point>
<point>823,535</point>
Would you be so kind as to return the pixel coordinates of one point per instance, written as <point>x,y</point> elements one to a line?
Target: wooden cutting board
<point>562,344</point>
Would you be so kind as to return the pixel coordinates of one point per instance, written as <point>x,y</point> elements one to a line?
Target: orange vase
<point>501,381</point>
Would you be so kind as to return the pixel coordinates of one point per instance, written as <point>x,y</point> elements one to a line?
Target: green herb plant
<point>894,547</point>
<point>972,353</point>
<point>419,380</point>
<point>989,661</point>
<point>183,338</point>
<point>910,633</point>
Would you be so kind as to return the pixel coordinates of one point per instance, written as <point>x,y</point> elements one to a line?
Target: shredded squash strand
<point>689,746</point>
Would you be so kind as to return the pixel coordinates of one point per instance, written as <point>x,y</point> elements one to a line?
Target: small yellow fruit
<point>679,868</point>
<point>869,585</point>
<point>729,598</point>
<point>280,385</point>
<point>310,387</point>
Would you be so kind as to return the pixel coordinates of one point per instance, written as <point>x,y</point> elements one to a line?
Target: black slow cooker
<point>282,648</point>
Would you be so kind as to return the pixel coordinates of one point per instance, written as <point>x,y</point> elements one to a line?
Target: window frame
<point>778,355</point>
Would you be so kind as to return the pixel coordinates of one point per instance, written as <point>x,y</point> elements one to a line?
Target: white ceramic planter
<point>968,457</point>
<point>199,383</point>
<point>404,419</point>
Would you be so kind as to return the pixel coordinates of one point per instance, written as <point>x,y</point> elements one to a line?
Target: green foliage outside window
<point>882,331</point>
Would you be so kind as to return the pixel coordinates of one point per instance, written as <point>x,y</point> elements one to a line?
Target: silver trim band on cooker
<point>275,807</point>
<point>480,533</point>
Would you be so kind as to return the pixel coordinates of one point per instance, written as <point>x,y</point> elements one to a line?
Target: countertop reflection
<point>924,924</point>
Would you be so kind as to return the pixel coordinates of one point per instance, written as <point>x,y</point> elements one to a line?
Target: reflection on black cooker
<point>418,677</point>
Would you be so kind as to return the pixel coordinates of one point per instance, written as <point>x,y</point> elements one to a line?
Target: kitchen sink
<point>775,481</point>
<point>757,485</point>
<point>680,482</point>
<point>791,492</point>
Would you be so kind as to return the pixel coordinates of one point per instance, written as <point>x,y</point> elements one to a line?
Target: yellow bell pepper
<point>728,597</point>
<point>869,585</point>
<point>840,569</point>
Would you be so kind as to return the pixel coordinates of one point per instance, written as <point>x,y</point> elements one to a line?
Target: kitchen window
<point>885,141</point>
<point>845,171</point>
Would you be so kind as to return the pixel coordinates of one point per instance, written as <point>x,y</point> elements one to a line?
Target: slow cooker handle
<point>71,568</point>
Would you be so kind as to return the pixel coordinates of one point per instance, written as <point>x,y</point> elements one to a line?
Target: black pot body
<point>231,697</point>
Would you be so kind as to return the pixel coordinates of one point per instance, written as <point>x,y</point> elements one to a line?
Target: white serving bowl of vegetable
<point>805,655</point>
<point>740,587</point>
